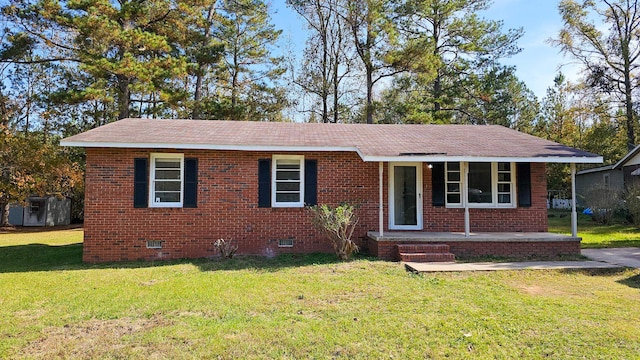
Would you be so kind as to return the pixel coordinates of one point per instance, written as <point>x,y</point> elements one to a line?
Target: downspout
<point>574,214</point>
<point>381,199</point>
<point>465,197</point>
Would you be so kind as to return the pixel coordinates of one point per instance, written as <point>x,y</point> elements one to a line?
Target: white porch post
<point>381,200</point>
<point>574,214</point>
<point>465,197</point>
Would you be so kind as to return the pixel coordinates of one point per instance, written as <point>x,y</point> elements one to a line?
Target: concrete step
<point>427,257</point>
<point>423,248</point>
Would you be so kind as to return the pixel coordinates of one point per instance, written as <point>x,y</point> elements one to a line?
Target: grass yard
<point>594,235</point>
<point>53,306</point>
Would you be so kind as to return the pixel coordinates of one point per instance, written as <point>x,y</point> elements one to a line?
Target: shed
<point>41,211</point>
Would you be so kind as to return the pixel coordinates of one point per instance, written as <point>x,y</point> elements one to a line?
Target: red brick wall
<point>228,207</point>
<point>387,250</point>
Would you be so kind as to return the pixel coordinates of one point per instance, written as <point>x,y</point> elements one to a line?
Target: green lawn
<point>53,306</point>
<point>618,234</point>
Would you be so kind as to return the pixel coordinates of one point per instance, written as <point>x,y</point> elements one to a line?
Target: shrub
<point>225,248</point>
<point>604,202</point>
<point>632,200</point>
<point>338,225</point>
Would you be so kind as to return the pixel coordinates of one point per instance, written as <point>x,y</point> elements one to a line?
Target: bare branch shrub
<point>338,225</point>
<point>603,202</point>
<point>225,248</point>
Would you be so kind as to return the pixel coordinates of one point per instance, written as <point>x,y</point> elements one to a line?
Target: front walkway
<point>629,256</point>
<point>491,266</point>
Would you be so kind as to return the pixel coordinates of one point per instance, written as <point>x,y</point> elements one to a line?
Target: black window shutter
<point>523,177</point>
<point>437,184</point>
<point>140,184</point>
<point>311,182</point>
<point>190,183</point>
<point>264,183</point>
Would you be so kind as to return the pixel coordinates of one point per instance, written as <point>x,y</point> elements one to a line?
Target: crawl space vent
<point>154,244</point>
<point>285,243</point>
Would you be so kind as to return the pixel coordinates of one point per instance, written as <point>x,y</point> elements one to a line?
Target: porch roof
<point>382,142</point>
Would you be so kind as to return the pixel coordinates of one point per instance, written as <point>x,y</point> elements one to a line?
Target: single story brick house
<point>167,189</point>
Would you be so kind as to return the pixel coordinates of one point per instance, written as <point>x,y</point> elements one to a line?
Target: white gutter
<point>365,158</point>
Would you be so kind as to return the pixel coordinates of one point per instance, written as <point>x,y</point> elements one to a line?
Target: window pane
<point>453,166</point>
<point>168,186</point>
<point>167,196</point>
<point>167,164</point>
<point>504,188</point>
<point>504,166</point>
<point>287,197</point>
<point>453,198</point>
<point>287,186</point>
<point>168,174</point>
<point>287,164</point>
<point>453,176</point>
<point>287,175</point>
<point>480,183</point>
<point>453,187</point>
<point>506,177</point>
<point>504,198</point>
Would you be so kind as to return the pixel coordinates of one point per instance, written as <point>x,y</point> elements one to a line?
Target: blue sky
<point>537,63</point>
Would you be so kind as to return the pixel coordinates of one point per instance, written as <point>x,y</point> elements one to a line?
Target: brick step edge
<point>423,248</point>
<point>427,257</point>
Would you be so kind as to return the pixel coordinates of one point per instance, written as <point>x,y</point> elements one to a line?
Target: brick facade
<point>228,207</point>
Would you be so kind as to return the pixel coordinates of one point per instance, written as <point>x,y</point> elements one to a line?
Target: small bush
<point>632,201</point>
<point>225,248</point>
<point>604,203</point>
<point>338,225</point>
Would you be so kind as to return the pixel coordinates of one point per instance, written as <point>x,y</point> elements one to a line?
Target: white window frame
<point>274,161</point>
<point>152,180</point>
<point>494,188</point>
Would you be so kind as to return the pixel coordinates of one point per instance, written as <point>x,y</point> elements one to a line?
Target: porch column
<point>381,199</point>
<point>465,197</point>
<point>574,214</point>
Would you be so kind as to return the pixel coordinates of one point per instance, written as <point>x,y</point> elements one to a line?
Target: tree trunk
<point>124,97</point>
<point>369,94</point>
<point>631,136</point>
<point>5,213</point>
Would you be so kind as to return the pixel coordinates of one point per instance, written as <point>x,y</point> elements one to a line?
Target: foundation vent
<point>154,244</point>
<point>285,243</point>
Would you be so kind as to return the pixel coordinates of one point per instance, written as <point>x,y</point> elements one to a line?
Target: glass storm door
<point>405,196</point>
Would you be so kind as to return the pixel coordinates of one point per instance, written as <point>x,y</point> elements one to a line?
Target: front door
<point>405,196</point>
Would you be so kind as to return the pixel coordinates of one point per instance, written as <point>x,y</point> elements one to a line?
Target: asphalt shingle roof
<point>380,142</point>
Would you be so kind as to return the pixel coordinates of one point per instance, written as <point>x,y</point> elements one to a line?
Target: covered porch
<point>473,244</point>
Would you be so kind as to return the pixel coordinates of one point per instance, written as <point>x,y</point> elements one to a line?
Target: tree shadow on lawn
<point>42,257</point>
<point>632,281</point>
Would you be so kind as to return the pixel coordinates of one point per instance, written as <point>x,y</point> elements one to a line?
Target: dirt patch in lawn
<point>95,339</point>
<point>539,290</point>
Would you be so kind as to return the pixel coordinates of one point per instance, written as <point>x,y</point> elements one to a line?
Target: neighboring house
<point>617,176</point>
<point>41,211</point>
<point>166,189</point>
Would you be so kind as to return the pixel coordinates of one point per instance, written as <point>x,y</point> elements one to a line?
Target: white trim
<point>366,158</point>
<point>152,176</point>
<point>274,160</point>
<point>460,158</point>
<point>419,199</point>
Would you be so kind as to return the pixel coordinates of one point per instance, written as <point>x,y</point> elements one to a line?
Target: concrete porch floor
<point>420,236</point>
